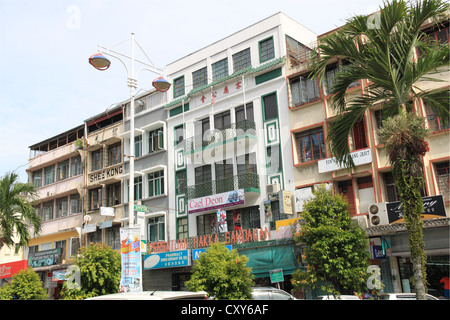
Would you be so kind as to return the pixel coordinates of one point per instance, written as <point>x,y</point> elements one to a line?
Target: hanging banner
<point>267,211</point>
<point>217,201</point>
<point>130,252</point>
<point>222,220</point>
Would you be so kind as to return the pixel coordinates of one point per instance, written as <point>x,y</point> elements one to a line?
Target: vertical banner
<point>222,220</point>
<point>267,211</point>
<point>130,252</point>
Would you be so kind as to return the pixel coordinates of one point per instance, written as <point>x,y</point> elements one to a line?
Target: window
<point>97,160</point>
<point>222,120</point>
<point>303,90</point>
<point>310,145</point>
<point>37,178</point>
<point>156,183</point>
<point>241,115</point>
<point>206,224</point>
<point>346,64</point>
<point>220,69</point>
<point>114,154</point>
<point>391,189</point>
<point>202,139</point>
<point>138,188</point>
<point>270,106</point>
<point>113,194</point>
<point>61,244</point>
<point>241,60</point>
<point>75,204</point>
<point>138,146</point>
<point>62,207</point>
<point>443,179</point>
<point>95,237</point>
<point>274,159</point>
<point>156,229</point>
<point>224,170</point>
<point>49,174</point>
<point>179,135</point>
<point>180,179</point>
<point>62,172</point>
<point>182,228</point>
<point>359,135</point>
<point>266,50</point>
<point>434,122</point>
<point>178,87</point>
<point>203,174</point>
<point>95,196</point>
<point>113,238</point>
<point>246,163</point>
<point>47,210</point>
<point>76,166</point>
<point>199,78</point>
<point>155,140</point>
<point>330,73</point>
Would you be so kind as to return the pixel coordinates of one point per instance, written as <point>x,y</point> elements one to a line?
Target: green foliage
<point>16,212</point>
<point>25,285</point>
<point>336,250</point>
<point>222,274</point>
<point>100,268</point>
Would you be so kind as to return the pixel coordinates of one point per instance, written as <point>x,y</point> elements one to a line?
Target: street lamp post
<point>100,62</point>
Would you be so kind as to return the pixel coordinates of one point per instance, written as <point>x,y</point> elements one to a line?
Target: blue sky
<point>47,86</point>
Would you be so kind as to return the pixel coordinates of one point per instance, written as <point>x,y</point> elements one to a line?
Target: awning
<point>264,259</point>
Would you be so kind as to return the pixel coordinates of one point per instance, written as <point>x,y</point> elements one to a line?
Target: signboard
<point>196,252</point>
<point>276,275</point>
<point>87,228</point>
<point>377,252</point>
<point>141,208</point>
<point>170,259</point>
<point>359,157</point>
<point>286,202</point>
<point>301,196</point>
<point>105,174</point>
<point>285,227</point>
<point>7,270</point>
<point>433,207</point>
<point>222,220</point>
<point>107,211</point>
<point>44,258</point>
<point>217,201</point>
<point>130,248</point>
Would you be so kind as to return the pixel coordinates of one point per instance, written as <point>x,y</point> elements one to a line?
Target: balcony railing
<point>217,135</point>
<point>241,181</point>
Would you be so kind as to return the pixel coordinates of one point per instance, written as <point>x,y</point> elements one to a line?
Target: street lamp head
<point>99,62</point>
<point>161,84</point>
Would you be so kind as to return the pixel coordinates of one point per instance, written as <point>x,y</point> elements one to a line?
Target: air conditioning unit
<point>273,188</point>
<point>378,214</point>
<point>361,221</point>
<point>96,206</point>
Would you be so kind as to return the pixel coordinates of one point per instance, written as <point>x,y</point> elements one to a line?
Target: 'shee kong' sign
<point>231,237</point>
<point>105,174</point>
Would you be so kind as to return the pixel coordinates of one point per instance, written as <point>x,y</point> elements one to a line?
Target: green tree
<point>25,285</point>
<point>222,274</point>
<point>335,249</point>
<point>382,49</point>
<point>16,212</point>
<point>99,267</point>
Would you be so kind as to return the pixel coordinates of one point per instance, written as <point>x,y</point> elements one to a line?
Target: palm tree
<point>16,212</point>
<point>382,48</point>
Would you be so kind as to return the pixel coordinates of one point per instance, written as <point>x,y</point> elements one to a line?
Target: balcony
<point>247,181</point>
<point>229,132</point>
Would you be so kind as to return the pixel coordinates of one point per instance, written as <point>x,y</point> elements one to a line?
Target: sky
<point>48,87</point>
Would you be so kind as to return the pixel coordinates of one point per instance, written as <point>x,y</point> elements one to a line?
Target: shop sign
<point>196,252</point>
<point>359,157</point>
<point>217,201</point>
<point>377,252</point>
<point>87,228</point>
<point>170,259</point>
<point>286,226</point>
<point>286,202</point>
<point>433,207</point>
<point>105,174</point>
<point>105,224</point>
<point>7,270</point>
<point>276,275</point>
<point>44,258</point>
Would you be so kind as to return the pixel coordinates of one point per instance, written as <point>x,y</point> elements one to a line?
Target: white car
<point>270,293</point>
<point>154,295</point>
<point>403,296</point>
<point>341,297</point>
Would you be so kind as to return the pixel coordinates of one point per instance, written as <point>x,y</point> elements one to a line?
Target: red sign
<point>7,270</point>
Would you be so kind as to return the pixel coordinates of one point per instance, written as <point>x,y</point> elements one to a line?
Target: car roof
<point>153,295</point>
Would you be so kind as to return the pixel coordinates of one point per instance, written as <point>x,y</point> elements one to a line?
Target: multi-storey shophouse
<point>104,166</point>
<point>55,168</point>
<point>229,149</point>
<point>371,182</point>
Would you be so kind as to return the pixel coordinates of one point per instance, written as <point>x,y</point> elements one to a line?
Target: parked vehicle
<point>269,293</point>
<point>341,297</point>
<point>154,295</point>
<point>402,296</point>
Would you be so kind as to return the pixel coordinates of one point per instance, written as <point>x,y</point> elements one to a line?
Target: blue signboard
<point>196,252</point>
<point>170,259</point>
<point>378,252</point>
